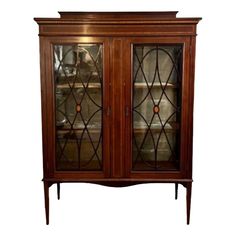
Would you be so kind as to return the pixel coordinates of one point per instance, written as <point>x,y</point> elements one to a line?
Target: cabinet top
<point>160,17</point>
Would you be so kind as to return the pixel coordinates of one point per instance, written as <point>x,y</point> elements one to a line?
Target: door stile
<point>106,123</point>
<point>128,93</point>
<point>117,58</point>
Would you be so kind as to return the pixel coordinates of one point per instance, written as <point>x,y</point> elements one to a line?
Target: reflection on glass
<point>78,72</point>
<point>156,106</point>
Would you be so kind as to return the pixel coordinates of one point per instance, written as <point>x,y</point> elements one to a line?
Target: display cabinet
<point>117,99</point>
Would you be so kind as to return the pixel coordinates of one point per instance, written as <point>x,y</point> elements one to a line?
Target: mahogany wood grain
<point>117,15</point>
<point>117,107</point>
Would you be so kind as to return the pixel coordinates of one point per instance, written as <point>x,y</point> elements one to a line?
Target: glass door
<point>78,91</point>
<point>156,106</point>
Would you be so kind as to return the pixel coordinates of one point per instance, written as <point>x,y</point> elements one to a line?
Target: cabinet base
<point>187,183</point>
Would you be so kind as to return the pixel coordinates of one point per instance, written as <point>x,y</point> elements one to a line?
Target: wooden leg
<point>46,198</point>
<point>176,191</point>
<point>188,200</point>
<point>58,191</point>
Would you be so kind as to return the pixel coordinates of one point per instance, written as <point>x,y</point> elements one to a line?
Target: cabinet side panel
<point>45,104</point>
<point>50,106</point>
<point>185,109</point>
<point>191,105</point>
<point>43,107</point>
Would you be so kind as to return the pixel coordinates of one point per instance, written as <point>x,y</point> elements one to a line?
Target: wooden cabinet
<point>117,99</point>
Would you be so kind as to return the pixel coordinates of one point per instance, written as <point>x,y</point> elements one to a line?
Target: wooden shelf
<point>161,165</point>
<point>170,127</point>
<point>72,134</point>
<point>75,166</point>
<point>63,132</point>
<point>138,129</point>
<point>71,75</point>
<point>79,85</point>
<point>154,130</point>
<point>76,134</point>
<point>98,85</point>
<point>144,85</point>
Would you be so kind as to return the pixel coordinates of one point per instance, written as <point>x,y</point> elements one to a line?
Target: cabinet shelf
<point>98,85</point>
<point>69,75</point>
<point>154,130</point>
<point>171,127</point>
<point>69,132</point>
<point>64,132</point>
<point>73,165</point>
<point>158,85</point>
<point>161,166</point>
<point>77,130</point>
<point>79,85</point>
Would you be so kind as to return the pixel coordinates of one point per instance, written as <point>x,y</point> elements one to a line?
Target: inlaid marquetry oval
<point>78,108</point>
<point>156,109</point>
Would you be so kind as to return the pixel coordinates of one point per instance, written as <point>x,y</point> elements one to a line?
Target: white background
<point>86,209</point>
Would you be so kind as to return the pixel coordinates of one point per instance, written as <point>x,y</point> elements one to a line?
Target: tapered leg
<point>176,190</point>
<point>58,191</point>
<point>188,200</point>
<point>46,198</point>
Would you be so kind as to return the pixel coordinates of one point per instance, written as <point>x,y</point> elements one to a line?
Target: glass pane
<point>157,72</point>
<point>78,74</point>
